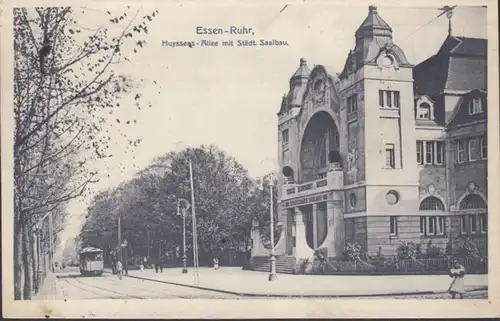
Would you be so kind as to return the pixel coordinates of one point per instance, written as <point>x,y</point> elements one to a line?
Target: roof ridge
<point>458,45</point>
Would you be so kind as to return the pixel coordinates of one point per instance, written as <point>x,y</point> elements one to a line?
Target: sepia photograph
<point>263,151</point>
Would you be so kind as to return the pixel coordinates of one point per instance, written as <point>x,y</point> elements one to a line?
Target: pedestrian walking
<point>141,264</point>
<point>457,272</point>
<point>216,263</point>
<point>119,269</point>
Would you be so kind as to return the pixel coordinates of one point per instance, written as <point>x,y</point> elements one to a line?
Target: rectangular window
<point>461,151</point>
<point>439,153</point>
<point>352,104</point>
<point>472,223</point>
<point>440,225</point>
<point>432,225</point>
<point>394,225</point>
<point>484,147</point>
<point>473,149</point>
<point>483,223</point>
<point>389,156</point>
<point>284,136</point>
<point>396,99</point>
<point>463,224</point>
<point>476,106</point>
<point>388,98</point>
<point>423,226</point>
<point>420,159</point>
<point>429,152</point>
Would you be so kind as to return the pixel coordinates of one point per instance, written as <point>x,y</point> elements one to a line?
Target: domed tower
<point>288,142</point>
<point>381,178</point>
<point>289,148</point>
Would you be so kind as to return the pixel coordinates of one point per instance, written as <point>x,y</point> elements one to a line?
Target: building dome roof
<point>373,26</point>
<point>303,71</point>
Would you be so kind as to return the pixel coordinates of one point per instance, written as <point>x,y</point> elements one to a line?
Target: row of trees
<point>66,86</point>
<point>226,201</point>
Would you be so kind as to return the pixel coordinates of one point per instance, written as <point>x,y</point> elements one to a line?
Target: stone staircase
<point>284,264</point>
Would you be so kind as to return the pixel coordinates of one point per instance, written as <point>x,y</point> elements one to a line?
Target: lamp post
<point>124,246</point>
<point>184,210</point>
<point>272,259</point>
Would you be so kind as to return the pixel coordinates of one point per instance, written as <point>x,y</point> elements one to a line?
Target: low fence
<point>393,266</point>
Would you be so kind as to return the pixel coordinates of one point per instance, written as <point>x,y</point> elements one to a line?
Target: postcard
<point>249,159</point>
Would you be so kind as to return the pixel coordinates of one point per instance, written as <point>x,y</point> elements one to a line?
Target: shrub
<point>468,247</point>
<point>301,266</point>
<point>406,251</point>
<point>352,252</point>
<point>418,251</point>
<point>321,254</point>
<point>433,251</point>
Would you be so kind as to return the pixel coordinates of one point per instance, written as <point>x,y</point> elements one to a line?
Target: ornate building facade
<point>384,151</point>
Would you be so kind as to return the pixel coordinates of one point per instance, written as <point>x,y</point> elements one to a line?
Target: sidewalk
<point>50,289</point>
<point>251,283</point>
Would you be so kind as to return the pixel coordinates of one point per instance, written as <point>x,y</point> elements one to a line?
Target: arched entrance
<point>320,138</point>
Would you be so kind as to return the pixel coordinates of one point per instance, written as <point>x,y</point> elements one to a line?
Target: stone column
<point>336,225</point>
<point>302,250</point>
<point>315,225</point>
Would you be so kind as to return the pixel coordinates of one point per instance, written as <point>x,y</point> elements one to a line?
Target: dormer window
<point>477,106</point>
<point>424,111</point>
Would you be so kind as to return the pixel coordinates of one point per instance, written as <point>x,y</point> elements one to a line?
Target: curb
<point>246,294</point>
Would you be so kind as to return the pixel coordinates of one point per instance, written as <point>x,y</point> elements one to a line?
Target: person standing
<point>119,269</point>
<point>457,272</point>
<point>216,263</point>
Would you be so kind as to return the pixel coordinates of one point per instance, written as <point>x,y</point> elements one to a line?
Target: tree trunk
<point>34,261</point>
<point>27,264</point>
<point>18,259</point>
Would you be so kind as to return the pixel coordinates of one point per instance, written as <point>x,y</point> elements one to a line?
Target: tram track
<point>90,288</point>
<point>110,286</point>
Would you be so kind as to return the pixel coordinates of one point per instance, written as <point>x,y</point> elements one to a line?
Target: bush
<point>321,254</point>
<point>301,266</point>
<point>352,252</point>
<point>469,247</point>
<point>433,251</point>
<point>407,251</point>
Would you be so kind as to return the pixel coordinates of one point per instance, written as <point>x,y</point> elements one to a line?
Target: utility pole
<point>195,237</point>
<point>120,238</point>
<point>149,241</point>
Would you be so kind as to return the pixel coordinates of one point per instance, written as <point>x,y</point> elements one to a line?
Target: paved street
<point>108,286</point>
<point>173,284</point>
<point>252,283</point>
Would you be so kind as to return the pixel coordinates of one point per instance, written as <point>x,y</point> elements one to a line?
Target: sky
<point>229,96</point>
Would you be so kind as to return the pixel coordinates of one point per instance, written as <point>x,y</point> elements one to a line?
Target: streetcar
<point>91,261</point>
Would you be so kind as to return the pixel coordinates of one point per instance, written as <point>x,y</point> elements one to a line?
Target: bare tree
<point>65,87</point>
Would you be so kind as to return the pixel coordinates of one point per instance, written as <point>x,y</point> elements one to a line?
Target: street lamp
<point>124,246</point>
<point>184,210</point>
<point>272,259</point>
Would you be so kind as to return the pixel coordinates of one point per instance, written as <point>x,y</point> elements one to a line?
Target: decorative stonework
<point>392,197</point>
<point>471,187</point>
<point>431,189</point>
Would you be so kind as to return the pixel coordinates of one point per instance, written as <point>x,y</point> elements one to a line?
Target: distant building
<point>386,151</point>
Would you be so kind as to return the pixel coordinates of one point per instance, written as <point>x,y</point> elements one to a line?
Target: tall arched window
<point>431,203</point>
<point>472,201</point>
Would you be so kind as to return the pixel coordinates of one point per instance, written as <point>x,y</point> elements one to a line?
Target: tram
<point>91,261</point>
